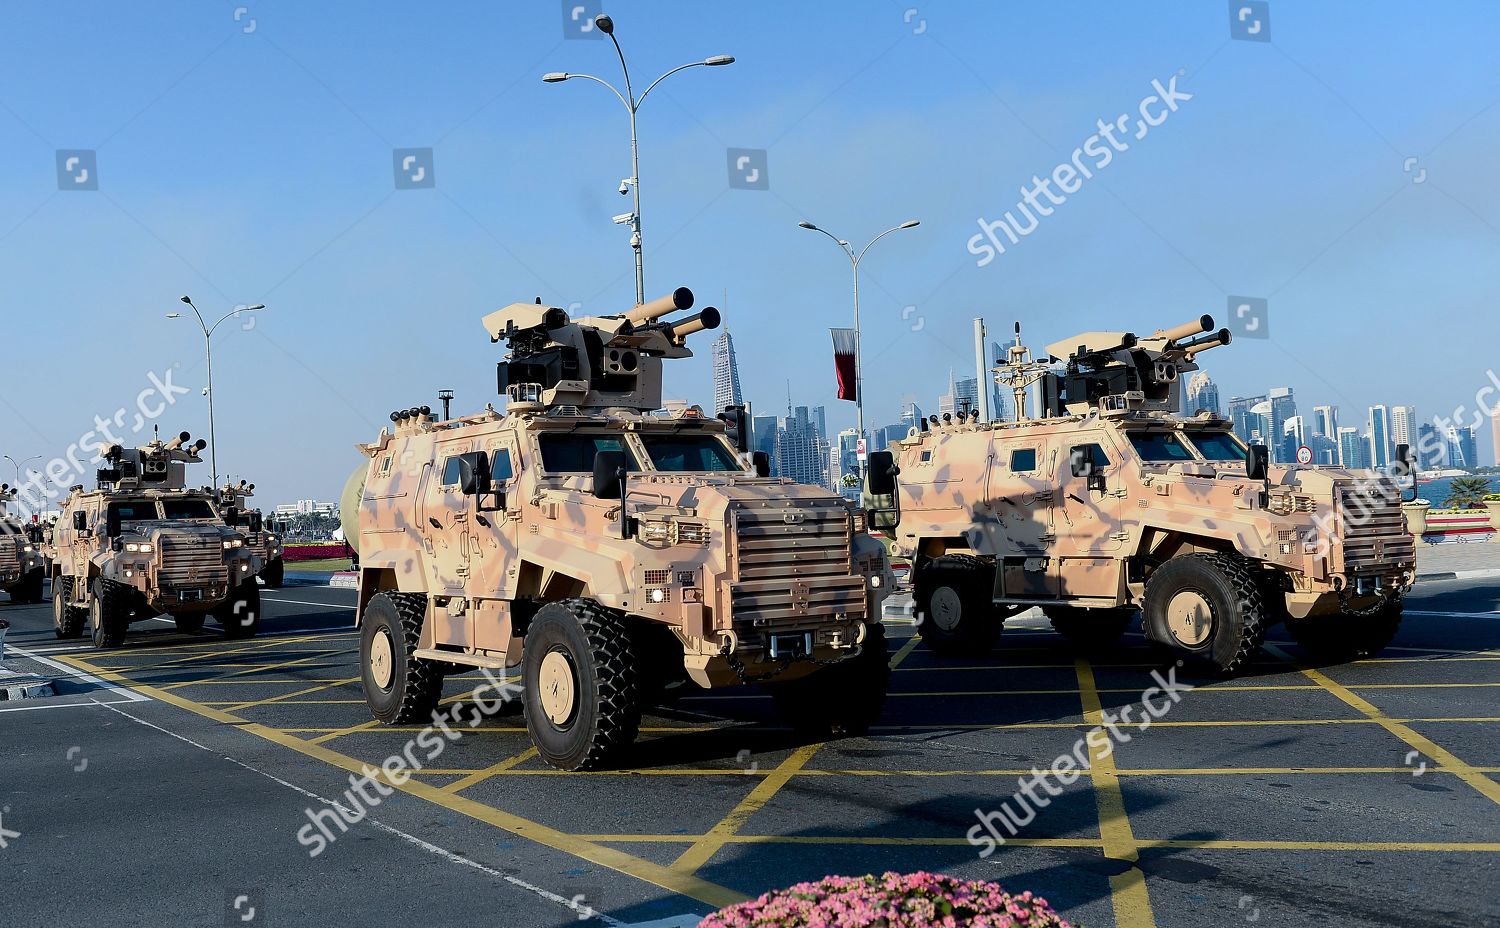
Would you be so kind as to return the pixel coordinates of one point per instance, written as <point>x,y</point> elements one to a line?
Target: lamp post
<point>632,184</point>
<point>859,371</point>
<point>18,465</point>
<point>208,348</point>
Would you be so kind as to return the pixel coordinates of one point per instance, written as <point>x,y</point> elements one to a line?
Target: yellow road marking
<point>905,649</point>
<point>340,732</point>
<point>275,699</point>
<point>709,845</point>
<point>1128,894</point>
<point>1437,847</point>
<point>482,775</point>
<point>681,883</point>
<point>1482,847</point>
<point>1487,787</point>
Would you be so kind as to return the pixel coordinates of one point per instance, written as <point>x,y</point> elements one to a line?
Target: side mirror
<point>231,516</point>
<point>761,462</point>
<point>256,523</point>
<point>473,473</point>
<point>1257,462</point>
<point>739,421</point>
<point>80,520</point>
<point>609,471</point>
<point>112,523</point>
<point>1405,469</point>
<point>1082,461</point>
<point>880,473</point>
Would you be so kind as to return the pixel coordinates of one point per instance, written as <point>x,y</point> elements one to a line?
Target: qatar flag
<point>843,362</point>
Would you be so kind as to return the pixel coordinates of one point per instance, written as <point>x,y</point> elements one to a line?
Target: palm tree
<point>1467,493</point>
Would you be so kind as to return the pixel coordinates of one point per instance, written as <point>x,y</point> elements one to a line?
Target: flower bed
<point>293,553</point>
<point>895,900</point>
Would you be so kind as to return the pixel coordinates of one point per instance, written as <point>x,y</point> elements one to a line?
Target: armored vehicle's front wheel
<point>68,621</point>
<point>109,613</point>
<point>240,612</point>
<point>399,688</point>
<point>1347,636</point>
<point>956,615</point>
<point>844,699</point>
<point>274,575</point>
<point>1207,606</point>
<point>190,622</point>
<point>1089,629</point>
<point>581,689</point>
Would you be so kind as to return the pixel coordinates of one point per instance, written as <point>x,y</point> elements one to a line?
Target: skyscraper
<point>1378,429</point>
<point>1351,449</point>
<point>764,429</point>
<point>1326,421</point>
<point>1293,437</point>
<point>845,462</point>
<point>1466,438</point>
<point>1240,415</point>
<point>798,454</point>
<point>1202,393</point>
<point>966,394</point>
<point>1283,407</point>
<point>1404,425</point>
<point>726,374</point>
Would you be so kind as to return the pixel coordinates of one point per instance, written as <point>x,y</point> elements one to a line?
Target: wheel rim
<point>945,608</point>
<point>1190,618</point>
<point>557,689</point>
<point>382,659</point>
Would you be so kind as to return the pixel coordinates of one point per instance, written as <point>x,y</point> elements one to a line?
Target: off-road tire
<point>239,613</point>
<point>1089,630</point>
<point>844,699</point>
<point>274,575</point>
<point>68,620</point>
<point>109,612</point>
<point>189,622</point>
<point>415,685</point>
<point>1236,605</point>
<point>963,586</point>
<point>1346,637</point>
<point>29,588</point>
<point>605,711</point>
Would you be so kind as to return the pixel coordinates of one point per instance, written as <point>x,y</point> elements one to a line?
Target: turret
<point>1119,372</point>
<point>155,466</point>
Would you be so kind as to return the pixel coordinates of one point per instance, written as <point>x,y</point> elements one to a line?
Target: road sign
<point>859,449</point>
<point>1304,455</point>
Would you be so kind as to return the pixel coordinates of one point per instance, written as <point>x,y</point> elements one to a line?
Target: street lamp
<point>208,347</point>
<point>632,184</point>
<point>21,464</point>
<point>859,372</point>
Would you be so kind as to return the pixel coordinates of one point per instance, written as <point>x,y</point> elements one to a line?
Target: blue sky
<point>256,166</point>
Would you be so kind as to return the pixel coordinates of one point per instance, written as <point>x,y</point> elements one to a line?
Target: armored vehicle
<point>613,553</point>
<point>262,536</point>
<point>144,544</point>
<point>23,558</point>
<point>1113,502</point>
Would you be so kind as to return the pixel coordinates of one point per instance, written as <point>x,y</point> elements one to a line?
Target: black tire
<point>239,614</point>
<point>956,615</point>
<point>109,612</point>
<point>1236,613</point>
<point>68,620</point>
<point>580,644</point>
<point>409,688</point>
<point>190,622</point>
<point>274,576</point>
<point>1346,637</point>
<point>844,699</point>
<point>1089,630</point>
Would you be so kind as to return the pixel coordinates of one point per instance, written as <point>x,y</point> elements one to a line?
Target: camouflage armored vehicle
<point>23,558</point>
<point>262,536</point>
<point>1113,502</point>
<point>612,553</point>
<point>144,544</point>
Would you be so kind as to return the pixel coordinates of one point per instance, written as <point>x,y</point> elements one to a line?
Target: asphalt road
<point>172,784</point>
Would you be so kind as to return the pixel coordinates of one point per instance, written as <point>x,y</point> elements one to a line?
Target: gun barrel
<point>177,442</point>
<point>1202,324</point>
<point>707,319</point>
<point>681,298</point>
<point>1205,342</point>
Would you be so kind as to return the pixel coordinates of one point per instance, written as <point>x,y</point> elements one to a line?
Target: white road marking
<point>74,673</point>
<point>41,704</point>
<point>1455,615</point>
<point>306,602</point>
<point>582,911</point>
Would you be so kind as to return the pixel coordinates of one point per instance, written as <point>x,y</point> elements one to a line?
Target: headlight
<point>859,522</point>
<point>139,547</point>
<point>875,581</point>
<point>234,543</point>
<point>659,532</point>
<point>691,533</point>
<point>29,548</point>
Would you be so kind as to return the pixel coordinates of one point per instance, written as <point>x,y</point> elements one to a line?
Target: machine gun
<point>155,466</point>
<point>1117,372</point>
<point>592,362</point>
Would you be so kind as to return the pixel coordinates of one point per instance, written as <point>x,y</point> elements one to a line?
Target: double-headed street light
<point>18,465</point>
<point>633,104</point>
<point>208,347</point>
<point>859,371</point>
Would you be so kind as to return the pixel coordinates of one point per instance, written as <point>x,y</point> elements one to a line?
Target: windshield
<point>187,509</point>
<point>134,510</point>
<point>1160,447</point>
<point>565,453</point>
<point>1218,446</point>
<point>690,453</point>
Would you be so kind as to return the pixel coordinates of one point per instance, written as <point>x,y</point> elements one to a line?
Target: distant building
<point>1404,425</point>
<point>911,415</point>
<point>1293,436</point>
<point>966,394</point>
<point>764,430</point>
<point>1351,449</point>
<point>1378,428</point>
<point>844,460</point>
<point>1326,421</point>
<point>306,507</point>
<point>1246,423</point>
<point>1202,393</point>
<point>798,450</point>
<point>1283,407</point>
<point>1463,447</point>
<point>888,435</point>
<point>726,374</point>
<point>1432,448</point>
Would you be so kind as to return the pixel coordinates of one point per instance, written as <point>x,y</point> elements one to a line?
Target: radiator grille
<point>792,565</point>
<point>1374,529</point>
<point>189,561</point>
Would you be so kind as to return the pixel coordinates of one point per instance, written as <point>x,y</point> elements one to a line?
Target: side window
<point>385,465</point>
<point>1023,460</point>
<point>1097,455</point>
<point>450,471</point>
<point>500,466</point>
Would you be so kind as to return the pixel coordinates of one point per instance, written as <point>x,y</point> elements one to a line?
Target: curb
<point>1485,573</point>
<point>24,686</point>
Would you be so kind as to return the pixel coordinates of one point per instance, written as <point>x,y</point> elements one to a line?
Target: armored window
<point>1160,447</point>
<point>451,471</point>
<point>690,454</point>
<point>1023,460</point>
<point>1097,456</point>
<point>500,466</point>
<point>187,509</point>
<point>574,454</point>
<point>1218,446</point>
<point>385,465</point>
<point>134,510</point>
